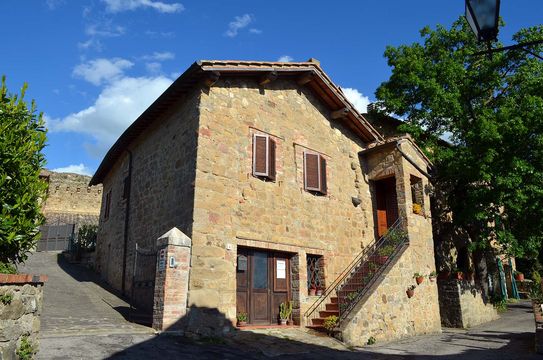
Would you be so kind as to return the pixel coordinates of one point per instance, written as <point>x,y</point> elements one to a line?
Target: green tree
<point>491,109</point>
<point>22,138</point>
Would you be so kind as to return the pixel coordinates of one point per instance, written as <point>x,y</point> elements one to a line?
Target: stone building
<point>70,200</point>
<point>248,184</point>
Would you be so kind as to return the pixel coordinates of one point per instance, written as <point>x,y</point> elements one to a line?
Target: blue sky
<point>94,66</point>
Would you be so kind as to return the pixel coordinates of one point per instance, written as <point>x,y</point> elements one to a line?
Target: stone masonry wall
<point>161,196</point>
<point>388,313</point>
<point>233,208</point>
<point>462,306</point>
<point>70,199</point>
<point>20,309</point>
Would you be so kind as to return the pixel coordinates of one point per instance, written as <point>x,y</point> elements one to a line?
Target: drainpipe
<point>127,218</point>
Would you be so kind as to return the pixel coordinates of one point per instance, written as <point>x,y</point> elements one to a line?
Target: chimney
<point>314,61</point>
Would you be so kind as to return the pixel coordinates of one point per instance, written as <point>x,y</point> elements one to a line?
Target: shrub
<point>26,349</point>
<point>371,340</point>
<point>7,268</point>
<point>86,237</point>
<point>330,323</point>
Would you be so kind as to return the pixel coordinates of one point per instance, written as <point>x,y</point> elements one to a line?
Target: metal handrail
<point>349,271</point>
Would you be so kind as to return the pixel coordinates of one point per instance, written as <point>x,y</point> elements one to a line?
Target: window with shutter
<point>107,205</point>
<point>315,172</point>
<point>264,156</point>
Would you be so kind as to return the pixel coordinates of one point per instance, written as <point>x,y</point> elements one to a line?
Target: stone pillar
<point>171,280</point>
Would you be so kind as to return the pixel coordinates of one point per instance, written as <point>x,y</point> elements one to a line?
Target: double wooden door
<point>263,283</point>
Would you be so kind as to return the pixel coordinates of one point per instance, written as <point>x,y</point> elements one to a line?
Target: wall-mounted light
<point>356,201</point>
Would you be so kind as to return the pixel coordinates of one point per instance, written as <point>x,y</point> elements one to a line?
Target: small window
<point>315,272</point>
<point>417,195</point>
<point>315,173</point>
<point>107,205</point>
<point>263,157</point>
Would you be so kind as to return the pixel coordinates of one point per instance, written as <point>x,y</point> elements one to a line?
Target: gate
<point>143,285</point>
<point>55,237</point>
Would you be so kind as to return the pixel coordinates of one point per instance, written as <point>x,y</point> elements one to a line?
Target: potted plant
<point>383,254</point>
<point>418,278</point>
<point>285,310</point>
<point>320,291</point>
<point>242,319</point>
<point>432,276</point>
<point>410,291</point>
<point>458,275</point>
<point>519,276</point>
<point>312,290</point>
<point>330,323</point>
<point>417,209</point>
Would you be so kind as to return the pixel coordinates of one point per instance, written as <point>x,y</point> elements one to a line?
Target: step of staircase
<point>324,314</point>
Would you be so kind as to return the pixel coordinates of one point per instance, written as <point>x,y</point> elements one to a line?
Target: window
<point>315,272</point>
<point>417,195</point>
<point>263,156</point>
<point>315,173</point>
<point>107,205</point>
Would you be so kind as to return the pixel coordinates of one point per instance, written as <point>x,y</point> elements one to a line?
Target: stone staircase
<point>360,277</point>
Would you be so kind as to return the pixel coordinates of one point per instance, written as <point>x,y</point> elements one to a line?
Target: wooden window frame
<point>269,174</point>
<point>107,206</point>
<point>323,190</point>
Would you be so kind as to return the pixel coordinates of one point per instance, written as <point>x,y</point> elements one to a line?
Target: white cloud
<point>154,67</point>
<point>75,169</point>
<point>124,5</point>
<point>102,70</point>
<point>118,105</point>
<point>239,23</point>
<point>159,56</point>
<point>255,31</point>
<point>53,4</point>
<point>359,101</point>
<point>285,58</point>
<point>104,29</point>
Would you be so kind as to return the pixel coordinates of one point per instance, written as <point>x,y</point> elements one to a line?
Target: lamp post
<point>483,18</point>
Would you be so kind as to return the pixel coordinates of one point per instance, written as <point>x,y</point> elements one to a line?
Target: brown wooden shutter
<point>260,155</point>
<point>271,158</point>
<point>311,171</point>
<point>323,175</point>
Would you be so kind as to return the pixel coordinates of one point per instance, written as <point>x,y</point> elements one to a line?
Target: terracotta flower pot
<point>312,291</point>
<point>242,323</point>
<point>458,276</point>
<point>432,278</point>
<point>419,279</point>
<point>410,293</point>
<point>519,277</point>
<point>319,292</point>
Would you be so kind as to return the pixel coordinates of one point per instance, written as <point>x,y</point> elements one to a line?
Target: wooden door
<point>263,283</point>
<point>386,204</point>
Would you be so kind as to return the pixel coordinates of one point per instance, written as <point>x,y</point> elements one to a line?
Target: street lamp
<point>483,18</point>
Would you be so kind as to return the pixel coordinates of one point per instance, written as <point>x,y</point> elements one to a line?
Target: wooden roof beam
<point>341,113</point>
<point>306,78</point>
<point>268,78</point>
<point>211,78</point>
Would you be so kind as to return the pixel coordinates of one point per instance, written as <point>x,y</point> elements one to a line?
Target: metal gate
<point>143,285</point>
<point>55,237</point>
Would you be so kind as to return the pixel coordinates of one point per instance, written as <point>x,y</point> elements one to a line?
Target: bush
<point>22,138</point>
<point>7,268</point>
<point>330,323</point>
<point>86,237</point>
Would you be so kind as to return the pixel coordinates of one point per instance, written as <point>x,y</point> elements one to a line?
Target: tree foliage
<point>22,138</point>
<point>491,110</point>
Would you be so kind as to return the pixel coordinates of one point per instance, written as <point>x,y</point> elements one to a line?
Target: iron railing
<point>359,276</point>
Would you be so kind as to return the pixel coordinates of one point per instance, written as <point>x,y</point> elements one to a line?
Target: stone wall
<point>161,193</point>
<point>232,208</point>
<point>20,309</point>
<point>462,305</point>
<point>70,200</point>
<point>388,313</point>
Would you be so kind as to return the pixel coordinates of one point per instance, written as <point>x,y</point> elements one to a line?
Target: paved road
<point>80,322</point>
<point>74,303</point>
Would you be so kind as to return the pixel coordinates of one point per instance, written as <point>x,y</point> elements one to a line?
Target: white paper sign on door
<point>281,269</point>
